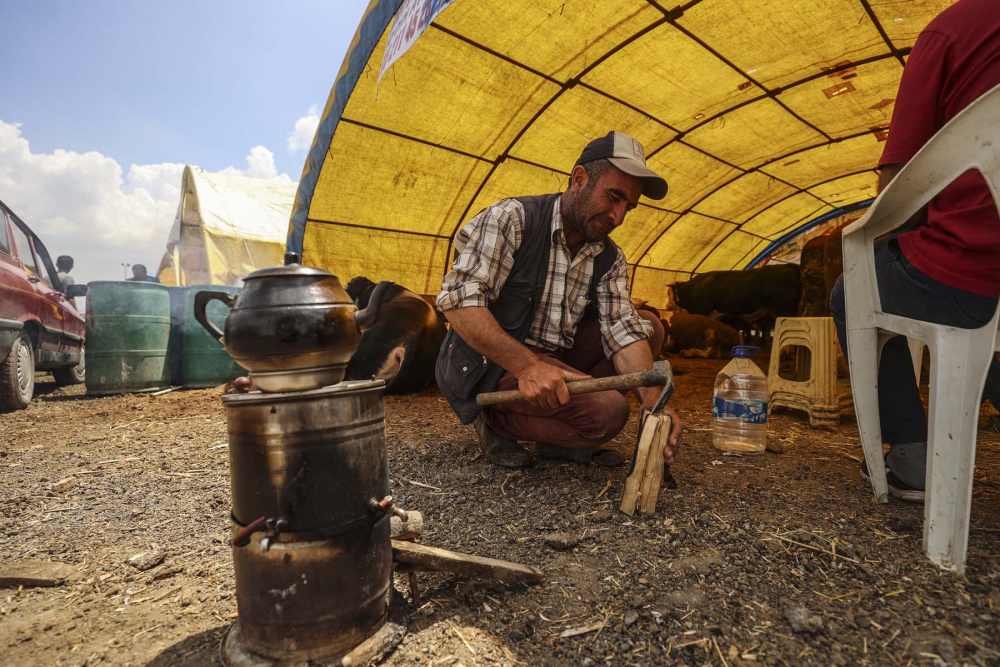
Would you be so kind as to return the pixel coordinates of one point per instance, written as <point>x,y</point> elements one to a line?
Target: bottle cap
<point>745,351</point>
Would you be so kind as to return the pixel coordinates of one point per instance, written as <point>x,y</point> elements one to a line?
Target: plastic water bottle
<point>739,408</point>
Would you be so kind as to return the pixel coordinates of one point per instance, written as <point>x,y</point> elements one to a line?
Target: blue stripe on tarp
<point>763,254</point>
<point>373,25</point>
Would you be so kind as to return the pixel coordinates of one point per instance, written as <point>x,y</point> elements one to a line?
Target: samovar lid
<point>340,389</point>
<point>291,268</point>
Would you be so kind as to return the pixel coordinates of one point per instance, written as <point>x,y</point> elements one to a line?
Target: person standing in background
<point>139,275</point>
<point>64,264</point>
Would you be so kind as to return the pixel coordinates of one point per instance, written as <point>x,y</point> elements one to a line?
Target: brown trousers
<point>588,420</point>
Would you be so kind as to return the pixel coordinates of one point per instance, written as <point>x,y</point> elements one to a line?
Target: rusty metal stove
<point>310,526</point>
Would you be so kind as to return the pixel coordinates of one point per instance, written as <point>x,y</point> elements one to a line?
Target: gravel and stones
<point>708,579</point>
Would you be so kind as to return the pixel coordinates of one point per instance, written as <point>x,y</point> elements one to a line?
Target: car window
<point>4,237</point>
<point>23,246</point>
<point>48,269</point>
<point>49,273</point>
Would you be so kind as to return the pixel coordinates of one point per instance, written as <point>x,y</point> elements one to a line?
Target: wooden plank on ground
<point>34,573</point>
<point>442,560</point>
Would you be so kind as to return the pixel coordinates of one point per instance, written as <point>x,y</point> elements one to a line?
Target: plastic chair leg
<point>957,376</point>
<point>917,353</point>
<point>863,353</point>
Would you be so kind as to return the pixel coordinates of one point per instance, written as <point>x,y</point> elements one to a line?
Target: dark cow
<point>757,296</point>
<point>815,301</point>
<point>698,335</point>
<point>403,345</point>
<point>750,332</point>
<point>770,288</point>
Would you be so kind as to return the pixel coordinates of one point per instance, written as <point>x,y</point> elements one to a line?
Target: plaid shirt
<point>486,248</point>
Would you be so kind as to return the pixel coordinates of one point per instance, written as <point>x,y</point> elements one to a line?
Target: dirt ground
<point>778,559</point>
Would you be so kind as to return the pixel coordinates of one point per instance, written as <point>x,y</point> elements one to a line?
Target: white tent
<point>226,226</point>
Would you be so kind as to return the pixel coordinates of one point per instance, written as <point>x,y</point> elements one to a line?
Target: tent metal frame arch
<point>377,19</point>
<point>799,231</point>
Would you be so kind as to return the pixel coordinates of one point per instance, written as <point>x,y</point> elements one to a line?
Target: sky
<point>103,102</point>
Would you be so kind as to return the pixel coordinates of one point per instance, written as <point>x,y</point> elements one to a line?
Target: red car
<point>39,328</point>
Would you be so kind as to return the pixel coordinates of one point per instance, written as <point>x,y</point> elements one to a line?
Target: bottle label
<point>753,411</point>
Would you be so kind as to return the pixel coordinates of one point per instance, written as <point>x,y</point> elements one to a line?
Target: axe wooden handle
<point>612,383</point>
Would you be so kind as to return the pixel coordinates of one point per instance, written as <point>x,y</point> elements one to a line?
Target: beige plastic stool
<point>815,389</point>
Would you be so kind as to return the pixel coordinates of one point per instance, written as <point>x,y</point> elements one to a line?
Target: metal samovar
<point>309,475</point>
<point>310,527</point>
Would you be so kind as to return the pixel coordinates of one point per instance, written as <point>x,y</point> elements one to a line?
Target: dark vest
<point>461,372</point>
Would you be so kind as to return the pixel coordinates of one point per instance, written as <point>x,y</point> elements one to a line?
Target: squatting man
<point>537,296</point>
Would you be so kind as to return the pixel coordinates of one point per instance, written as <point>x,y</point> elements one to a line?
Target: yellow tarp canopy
<point>761,114</point>
<point>226,226</point>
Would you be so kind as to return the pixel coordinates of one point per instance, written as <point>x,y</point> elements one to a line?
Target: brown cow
<point>815,301</point>
<point>698,336</point>
<point>642,304</point>
<point>833,259</point>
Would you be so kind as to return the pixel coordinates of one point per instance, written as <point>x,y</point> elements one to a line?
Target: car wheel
<point>17,375</point>
<point>72,375</point>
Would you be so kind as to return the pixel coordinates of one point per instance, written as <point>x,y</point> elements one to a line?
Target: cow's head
<point>673,300</point>
<point>360,290</point>
<point>401,347</point>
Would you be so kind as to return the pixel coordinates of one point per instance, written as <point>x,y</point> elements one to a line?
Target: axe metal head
<point>664,372</point>
<point>664,368</point>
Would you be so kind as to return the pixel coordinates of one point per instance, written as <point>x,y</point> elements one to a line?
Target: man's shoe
<point>601,457</point>
<point>500,450</point>
<point>897,487</point>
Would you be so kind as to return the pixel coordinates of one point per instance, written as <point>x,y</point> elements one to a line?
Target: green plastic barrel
<point>204,362</point>
<point>128,326</point>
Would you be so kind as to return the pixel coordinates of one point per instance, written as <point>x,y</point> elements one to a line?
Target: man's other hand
<point>544,385</point>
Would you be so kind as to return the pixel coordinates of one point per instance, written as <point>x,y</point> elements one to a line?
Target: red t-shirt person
<point>955,60</point>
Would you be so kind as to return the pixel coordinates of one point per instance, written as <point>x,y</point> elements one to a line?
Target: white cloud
<point>301,137</point>
<point>85,205</point>
<point>260,164</point>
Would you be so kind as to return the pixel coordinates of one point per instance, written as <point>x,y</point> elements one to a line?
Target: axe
<point>660,375</point>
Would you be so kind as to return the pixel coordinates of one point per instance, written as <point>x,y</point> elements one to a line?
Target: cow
<point>773,288</point>
<point>698,335</point>
<point>402,347</point>
<point>757,295</point>
<point>642,304</point>
<point>833,258</point>
<point>815,301</point>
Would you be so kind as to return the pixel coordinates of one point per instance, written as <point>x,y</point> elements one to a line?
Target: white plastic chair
<point>960,358</point>
<point>917,355</point>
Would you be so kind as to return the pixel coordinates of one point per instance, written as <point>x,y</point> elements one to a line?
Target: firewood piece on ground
<point>415,524</point>
<point>652,479</point>
<point>633,484</point>
<point>34,573</point>
<point>642,488</point>
<point>442,560</point>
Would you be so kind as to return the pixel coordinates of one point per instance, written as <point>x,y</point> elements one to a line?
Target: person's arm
<point>636,357</point>
<point>543,385</point>
<point>917,113</point>
<point>625,339</point>
<point>886,174</point>
<point>486,247</point>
